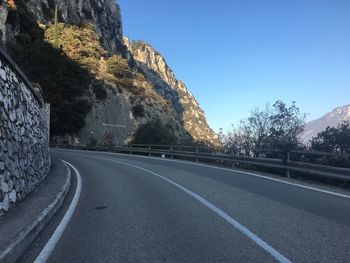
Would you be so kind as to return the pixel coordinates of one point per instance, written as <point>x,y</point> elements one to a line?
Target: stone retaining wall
<point>24,150</point>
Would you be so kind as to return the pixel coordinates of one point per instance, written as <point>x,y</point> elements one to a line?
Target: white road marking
<point>51,244</point>
<point>274,179</point>
<point>233,171</point>
<point>273,252</point>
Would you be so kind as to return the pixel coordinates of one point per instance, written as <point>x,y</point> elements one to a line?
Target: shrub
<point>108,138</point>
<point>137,44</point>
<point>92,141</point>
<point>124,82</point>
<point>79,43</point>
<point>138,111</point>
<point>100,91</point>
<point>154,132</point>
<point>139,76</point>
<point>118,67</point>
<point>278,127</point>
<point>69,117</point>
<point>63,82</point>
<point>333,139</point>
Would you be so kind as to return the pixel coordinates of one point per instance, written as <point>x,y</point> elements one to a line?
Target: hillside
<point>101,91</point>
<point>331,119</point>
<point>165,83</point>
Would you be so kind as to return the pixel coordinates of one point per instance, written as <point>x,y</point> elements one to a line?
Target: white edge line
<point>229,170</point>
<point>261,243</point>
<point>276,180</point>
<point>51,244</point>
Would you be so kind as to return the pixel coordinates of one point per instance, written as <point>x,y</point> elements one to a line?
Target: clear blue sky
<point>235,55</point>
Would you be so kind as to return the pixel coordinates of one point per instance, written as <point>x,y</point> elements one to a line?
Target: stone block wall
<point>24,149</point>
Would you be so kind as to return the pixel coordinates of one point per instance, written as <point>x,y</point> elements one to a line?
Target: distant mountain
<point>332,119</point>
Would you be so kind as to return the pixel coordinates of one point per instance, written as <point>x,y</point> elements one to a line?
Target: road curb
<point>13,251</point>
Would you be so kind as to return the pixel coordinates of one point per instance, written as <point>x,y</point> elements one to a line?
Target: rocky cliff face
<point>104,15</point>
<point>149,92</point>
<point>164,81</point>
<point>113,121</point>
<point>331,119</point>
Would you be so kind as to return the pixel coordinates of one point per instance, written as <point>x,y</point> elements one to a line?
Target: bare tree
<point>277,127</point>
<point>260,126</point>
<point>287,123</point>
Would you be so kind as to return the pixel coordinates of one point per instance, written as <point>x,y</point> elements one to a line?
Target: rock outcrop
<point>114,121</point>
<point>164,81</point>
<point>150,91</point>
<point>104,15</point>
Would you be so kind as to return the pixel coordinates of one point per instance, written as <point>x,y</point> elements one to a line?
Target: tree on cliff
<point>80,44</point>
<point>118,67</point>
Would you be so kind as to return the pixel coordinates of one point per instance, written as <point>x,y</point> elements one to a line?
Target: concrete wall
<point>24,150</point>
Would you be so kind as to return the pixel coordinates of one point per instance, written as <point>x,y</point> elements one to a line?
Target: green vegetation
<point>64,81</point>
<point>140,77</point>
<point>68,62</point>
<point>154,132</point>
<point>65,60</point>
<point>138,44</point>
<point>99,90</point>
<point>333,139</point>
<point>287,123</point>
<point>71,116</point>
<point>81,44</point>
<point>118,67</point>
<point>278,127</point>
<point>138,111</point>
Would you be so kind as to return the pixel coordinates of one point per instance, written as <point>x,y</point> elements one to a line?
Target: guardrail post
<point>196,154</point>
<point>286,161</point>
<point>233,158</point>
<point>171,152</point>
<point>149,150</point>
<point>130,151</point>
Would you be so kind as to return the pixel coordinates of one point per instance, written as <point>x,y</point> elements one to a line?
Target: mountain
<point>103,88</point>
<point>105,15</point>
<point>165,83</point>
<point>332,119</point>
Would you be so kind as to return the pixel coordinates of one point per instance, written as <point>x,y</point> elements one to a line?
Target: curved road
<point>139,209</point>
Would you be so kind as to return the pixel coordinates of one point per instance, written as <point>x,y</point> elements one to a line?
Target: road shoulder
<point>22,224</point>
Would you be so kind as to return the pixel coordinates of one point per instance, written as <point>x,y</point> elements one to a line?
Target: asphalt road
<point>139,209</point>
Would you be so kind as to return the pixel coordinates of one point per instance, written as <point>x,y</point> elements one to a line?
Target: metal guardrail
<point>197,154</point>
